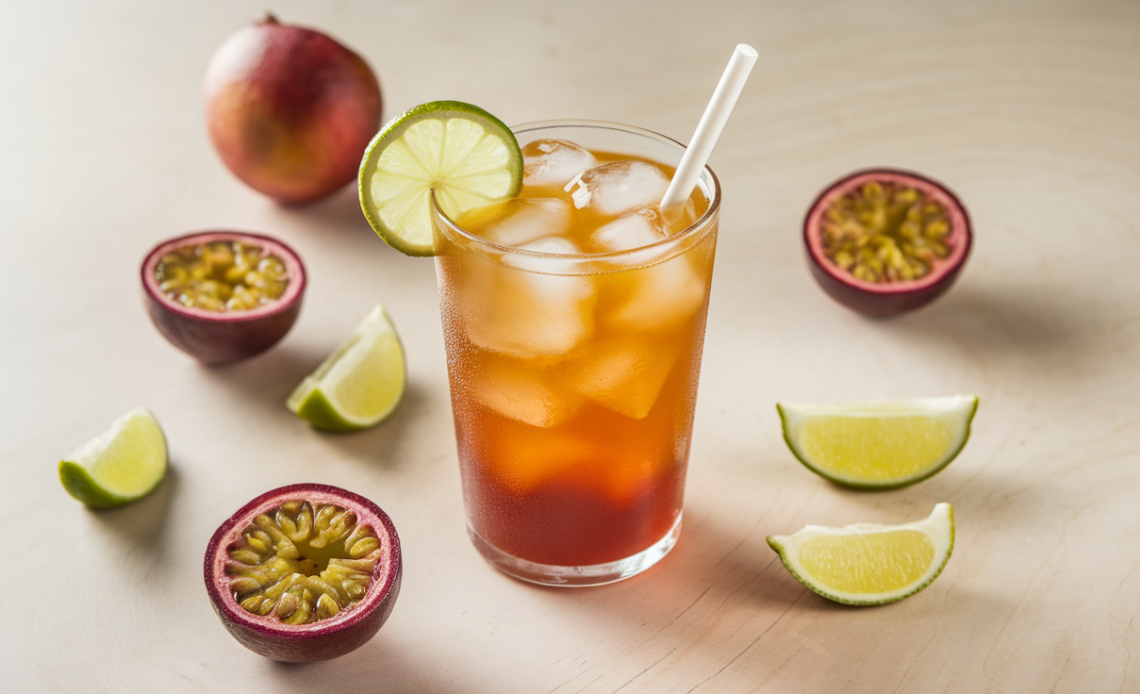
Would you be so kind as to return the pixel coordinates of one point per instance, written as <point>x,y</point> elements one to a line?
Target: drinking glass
<point>574,383</point>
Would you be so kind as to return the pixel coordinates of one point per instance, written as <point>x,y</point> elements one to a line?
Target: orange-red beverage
<point>574,318</point>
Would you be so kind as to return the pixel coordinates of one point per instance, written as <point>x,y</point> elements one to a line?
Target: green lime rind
<point>428,147</point>
<point>315,408</point>
<point>943,514</point>
<point>119,467</point>
<point>360,384</point>
<point>967,413</point>
<point>79,484</point>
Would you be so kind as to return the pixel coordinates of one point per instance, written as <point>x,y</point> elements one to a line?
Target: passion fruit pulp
<point>218,334</point>
<point>305,572</point>
<point>222,276</point>
<point>884,241</point>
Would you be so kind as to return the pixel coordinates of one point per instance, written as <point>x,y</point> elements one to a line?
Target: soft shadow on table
<point>744,570</point>
<point>747,573</point>
<point>1005,322</point>
<point>383,444</point>
<point>987,496</point>
<point>144,523</point>
<point>340,212</point>
<point>267,380</point>
<point>380,665</point>
<point>763,616</point>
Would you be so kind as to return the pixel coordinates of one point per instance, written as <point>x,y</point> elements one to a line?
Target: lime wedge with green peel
<point>122,465</point>
<point>359,384</point>
<point>869,564</point>
<point>466,155</point>
<point>881,444</point>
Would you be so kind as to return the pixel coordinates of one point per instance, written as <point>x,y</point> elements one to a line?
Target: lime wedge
<point>123,464</point>
<point>869,564</point>
<point>359,384</point>
<point>462,152</point>
<point>881,444</point>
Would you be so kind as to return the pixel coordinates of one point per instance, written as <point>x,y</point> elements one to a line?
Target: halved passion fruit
<point>882,242</point>
<point>221,296</point>
<point>305,572</point>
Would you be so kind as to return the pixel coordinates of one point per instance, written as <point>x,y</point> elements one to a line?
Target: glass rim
<point>702,222</point>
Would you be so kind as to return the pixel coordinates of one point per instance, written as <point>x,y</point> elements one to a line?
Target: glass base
<point>576,576</point>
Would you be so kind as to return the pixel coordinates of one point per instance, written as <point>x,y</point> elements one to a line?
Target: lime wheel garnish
<point>466,155</point>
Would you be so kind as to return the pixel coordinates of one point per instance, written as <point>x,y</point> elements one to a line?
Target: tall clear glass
<point>574,383</point>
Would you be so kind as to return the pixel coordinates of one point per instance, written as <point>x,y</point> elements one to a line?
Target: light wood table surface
<point>1030,111</point>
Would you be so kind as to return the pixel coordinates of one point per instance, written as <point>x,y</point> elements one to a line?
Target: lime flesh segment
<point>466,155</point>
<point>359,384</point>
<point>120,466</point>
<point>869,564</point>
<point>879,444</point>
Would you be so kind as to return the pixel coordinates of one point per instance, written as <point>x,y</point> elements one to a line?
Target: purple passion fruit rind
<point>888,298</point>
<point>219,337</point>
<point>325,638</point>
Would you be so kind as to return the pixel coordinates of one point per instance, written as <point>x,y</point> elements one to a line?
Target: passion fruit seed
<point>303,565</point>
<point>222,276</point>
<point>885,233</point>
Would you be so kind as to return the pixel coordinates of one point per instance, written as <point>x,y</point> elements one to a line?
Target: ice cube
<point>639,228</point>
<point>524,457</point>
<point>554,162</point>
<point>519,391</point>
<point>527,219</point>
<point>618,187</point>
<point>525,314</point>
<point>558,245</point>
<point>660,296</point>
<point>637,477</point>
<point>624,374</point>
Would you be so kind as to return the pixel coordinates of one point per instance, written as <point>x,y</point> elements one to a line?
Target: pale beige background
<point>1029,110</point>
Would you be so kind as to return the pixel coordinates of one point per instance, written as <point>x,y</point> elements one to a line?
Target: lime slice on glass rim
<point>359,384</point>
<point>121,465</point>
<point>866,563</point>
<point>466,155</point>
<point>878,444</point>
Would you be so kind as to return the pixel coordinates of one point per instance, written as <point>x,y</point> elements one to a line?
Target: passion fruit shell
<point>901,292</point>
<point>214,337</point>
<point>305,572</point>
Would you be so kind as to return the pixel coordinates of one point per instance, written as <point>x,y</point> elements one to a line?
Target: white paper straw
<point>712,122</point>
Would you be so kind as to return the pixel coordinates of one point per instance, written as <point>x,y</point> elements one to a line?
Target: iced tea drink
<point>574,318</point>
